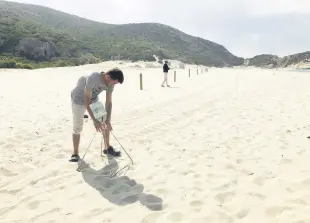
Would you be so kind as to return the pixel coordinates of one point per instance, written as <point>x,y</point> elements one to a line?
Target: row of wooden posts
<point>175,77</point>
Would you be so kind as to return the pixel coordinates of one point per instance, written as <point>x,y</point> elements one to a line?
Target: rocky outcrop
<point>264,60</point>
<point>295,59</point>
<point>37,50</point>
<point>273,61</point>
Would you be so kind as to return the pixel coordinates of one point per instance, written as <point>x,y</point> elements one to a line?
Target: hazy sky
<point>245,27</point>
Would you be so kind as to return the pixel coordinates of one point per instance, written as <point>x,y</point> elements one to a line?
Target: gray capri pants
<point>78,112</point>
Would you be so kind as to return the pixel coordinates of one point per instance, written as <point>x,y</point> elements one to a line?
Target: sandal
<point>111,151</point>
<point>75,158</point>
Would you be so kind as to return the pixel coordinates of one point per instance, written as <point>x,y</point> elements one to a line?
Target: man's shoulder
<point>94,74</point>
<point>92,79</point>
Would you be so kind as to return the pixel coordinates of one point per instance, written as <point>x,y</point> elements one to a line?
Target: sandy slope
<point>226,146</point>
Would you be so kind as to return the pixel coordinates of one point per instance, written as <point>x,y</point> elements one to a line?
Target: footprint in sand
<point>224,218</point>
<point>222,197</point>
<point>297,201</point>
<point>197,176</point>
<point>48,176</point>
<point>197,183</point>
<point>259,180</point>
<point>221,187</point>
<point>175,217</point>
<point>203,220</point>
<point>162,191</point>
<point>52,211</point>
<point>167,166</point>
<point>243,213</point>
<point>230,166</point>
<point>107,210</point>
<point>239,161</point>
<point>284,147</point>
<point>151,218</point>
<point>8,146</point>
<point>306,182</point>
<point>161,159</point>
<point>11,192</point>
<point>5,210</point>
<point>33,205</point>
<point>196,205</point>
<point>60,156</point>
<point>95,212</point>
<point>187,172</point>
<point>149,178</point>
<point>172,171</point>
<point>300,221</point>
<point>275,211</point>
<point>56,181</point>
<point>260,196</point>
<point>192,164</point>
<point>286,161</point>
<point>7,173</point>
<point>58,145</point>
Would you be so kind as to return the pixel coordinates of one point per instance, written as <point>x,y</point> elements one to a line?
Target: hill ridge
<point>41,34</point>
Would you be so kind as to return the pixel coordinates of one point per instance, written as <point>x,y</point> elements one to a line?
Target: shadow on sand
<point>119,190</point>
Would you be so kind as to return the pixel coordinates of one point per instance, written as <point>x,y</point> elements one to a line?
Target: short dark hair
<point>116,74</point>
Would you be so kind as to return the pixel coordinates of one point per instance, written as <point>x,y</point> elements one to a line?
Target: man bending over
<point>85,93</point>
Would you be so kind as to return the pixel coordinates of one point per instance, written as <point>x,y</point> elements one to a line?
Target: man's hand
<point>98,125</point>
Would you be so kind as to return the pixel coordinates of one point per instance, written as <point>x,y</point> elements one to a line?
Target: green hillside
<point>41,36</point>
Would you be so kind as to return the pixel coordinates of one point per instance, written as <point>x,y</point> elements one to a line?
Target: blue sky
<point>245,27</point>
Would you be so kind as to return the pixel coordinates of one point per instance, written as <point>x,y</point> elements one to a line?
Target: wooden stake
<point>141,84</point>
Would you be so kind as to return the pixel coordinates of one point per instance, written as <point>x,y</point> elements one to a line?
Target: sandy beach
<point>226,146</point>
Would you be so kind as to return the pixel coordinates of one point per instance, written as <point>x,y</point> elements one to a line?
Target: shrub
<point>7,64</point>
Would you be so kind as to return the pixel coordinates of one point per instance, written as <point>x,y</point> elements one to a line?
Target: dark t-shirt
<point>165,68</point>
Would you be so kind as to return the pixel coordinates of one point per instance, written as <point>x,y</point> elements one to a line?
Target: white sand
<point>226,146</point>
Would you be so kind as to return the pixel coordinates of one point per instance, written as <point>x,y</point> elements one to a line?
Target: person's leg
<point>165,80</point>
<point>108,149</point>
<point>106,134</point>
<point>166,77</point>
<point>76,143</point>
<point>78,115</point>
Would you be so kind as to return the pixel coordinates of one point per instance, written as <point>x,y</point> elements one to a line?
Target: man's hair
<point>116,74</point>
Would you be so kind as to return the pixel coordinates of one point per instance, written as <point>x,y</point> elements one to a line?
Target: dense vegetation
<point>34,36</point>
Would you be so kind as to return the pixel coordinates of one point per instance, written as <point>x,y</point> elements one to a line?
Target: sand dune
<point>226,146</point>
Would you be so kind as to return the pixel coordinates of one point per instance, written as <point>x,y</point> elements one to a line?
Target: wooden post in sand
<point>197,71</point>
<point>175,76</point>
<point>141,85</point>
<point>189,72</point>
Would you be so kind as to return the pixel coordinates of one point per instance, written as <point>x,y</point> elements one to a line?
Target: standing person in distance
<point>165,70</point>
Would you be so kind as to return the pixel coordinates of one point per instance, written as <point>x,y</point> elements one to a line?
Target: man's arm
<point>108,105</point>
<point>87,100</point>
